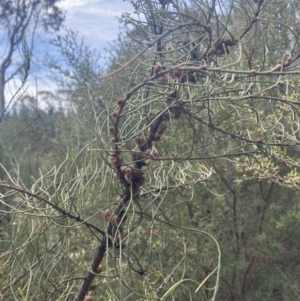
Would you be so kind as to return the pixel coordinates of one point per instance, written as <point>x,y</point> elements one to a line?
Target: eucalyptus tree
<point>19,23</point>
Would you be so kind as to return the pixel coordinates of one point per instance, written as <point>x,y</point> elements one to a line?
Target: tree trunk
<point>2,96</point>
<point>2,106</point>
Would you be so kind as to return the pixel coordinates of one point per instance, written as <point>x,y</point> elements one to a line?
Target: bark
<point>2,97</point>
<point>89,277</point>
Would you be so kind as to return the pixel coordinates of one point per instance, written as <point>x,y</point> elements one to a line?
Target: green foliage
<point>178,170</point>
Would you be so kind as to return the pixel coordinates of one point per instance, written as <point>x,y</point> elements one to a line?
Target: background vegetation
<point>170,173</point>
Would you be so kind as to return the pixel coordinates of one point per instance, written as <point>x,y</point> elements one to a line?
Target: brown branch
<point>115,72</point>
<point>245,277</point>
<point>130,186</point>
<point>254,20</point>
<point>234,205</point>
<point>55,207</point>
<point>89,277</point>
<point>264,201</point>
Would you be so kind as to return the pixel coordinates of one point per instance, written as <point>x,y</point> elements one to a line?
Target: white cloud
<point>96,20</point>
<point>69,4</point>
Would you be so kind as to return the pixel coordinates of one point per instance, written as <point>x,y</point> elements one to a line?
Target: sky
<point>95,20</point>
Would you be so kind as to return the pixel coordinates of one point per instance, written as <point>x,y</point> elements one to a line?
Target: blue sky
<point>95,20</point>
